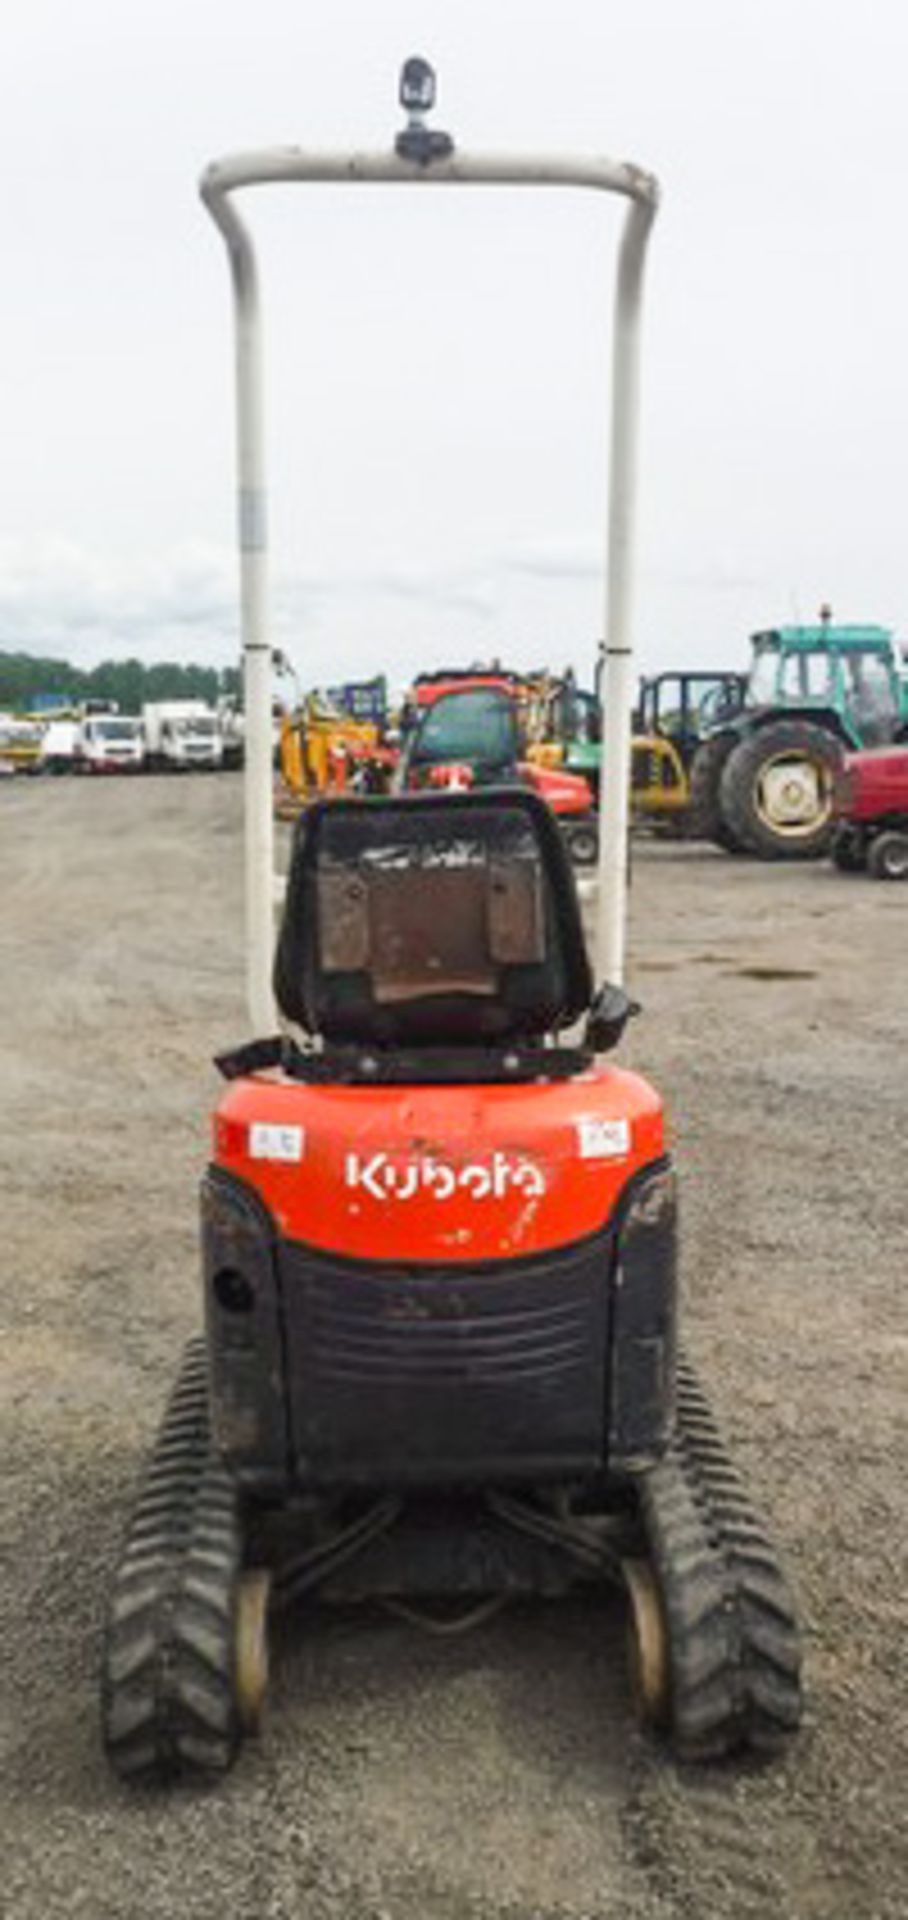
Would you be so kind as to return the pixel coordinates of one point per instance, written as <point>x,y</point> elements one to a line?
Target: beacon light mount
<point>417,142</point>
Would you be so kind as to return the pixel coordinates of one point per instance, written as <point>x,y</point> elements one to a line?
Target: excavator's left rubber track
<point>170,1705</point>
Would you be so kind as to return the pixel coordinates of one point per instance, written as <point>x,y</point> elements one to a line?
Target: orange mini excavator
<point>440,1365</point>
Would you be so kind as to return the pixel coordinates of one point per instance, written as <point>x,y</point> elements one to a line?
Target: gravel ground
<point>498,1776</point>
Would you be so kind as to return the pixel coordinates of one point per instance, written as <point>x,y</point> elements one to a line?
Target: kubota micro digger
<point>440,1363</point>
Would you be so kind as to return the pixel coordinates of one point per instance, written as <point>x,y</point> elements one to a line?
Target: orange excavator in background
<point>458,727</point>
<point>472,730</point>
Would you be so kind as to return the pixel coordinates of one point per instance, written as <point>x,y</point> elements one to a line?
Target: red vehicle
<point>470,735</point>
<point>429,687</point>
<point>871,806</point>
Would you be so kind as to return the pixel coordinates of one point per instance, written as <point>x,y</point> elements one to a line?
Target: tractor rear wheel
<point>888,856</point>
<point>776,790</point>
<point>706,820</point>
<point>727,840</point>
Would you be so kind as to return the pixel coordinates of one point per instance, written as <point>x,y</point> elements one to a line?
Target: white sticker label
<point>267,1142</point>
<point>602,1139</point>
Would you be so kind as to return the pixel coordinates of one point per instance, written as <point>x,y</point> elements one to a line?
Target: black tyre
<point>581,838</point>
<point>727,840</point>
<point>888,856</point>
<point>848,851</point>
<point>705,818</point>
<point>776,790</point>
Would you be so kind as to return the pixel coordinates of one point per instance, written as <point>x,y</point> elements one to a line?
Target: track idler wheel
<point>648,1643</point>
<point>250,1640</point>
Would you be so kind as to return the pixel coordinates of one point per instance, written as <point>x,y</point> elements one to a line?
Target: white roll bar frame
<point>221,179</point>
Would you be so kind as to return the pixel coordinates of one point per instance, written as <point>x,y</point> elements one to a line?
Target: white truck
<point>58,745</point>
<point>182,734</point>
<point>109,743</point>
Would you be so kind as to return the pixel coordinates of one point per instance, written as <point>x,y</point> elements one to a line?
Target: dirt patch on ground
<point>500,1776</point>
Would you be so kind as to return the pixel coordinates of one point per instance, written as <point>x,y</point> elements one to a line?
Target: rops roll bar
<point>424,157</point>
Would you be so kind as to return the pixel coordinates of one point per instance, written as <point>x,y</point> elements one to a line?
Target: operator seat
<point>432,921</point>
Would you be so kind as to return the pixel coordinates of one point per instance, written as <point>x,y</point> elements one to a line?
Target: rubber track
<point>168,1707</point>
<point>734,1650</point>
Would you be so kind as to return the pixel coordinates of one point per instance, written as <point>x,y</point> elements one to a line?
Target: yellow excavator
<point>20,744</point>
<point>322,751</point>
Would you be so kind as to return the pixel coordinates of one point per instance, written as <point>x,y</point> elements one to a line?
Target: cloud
<point>61,598</point>
<point>573,559</point>
<point>562,558</point>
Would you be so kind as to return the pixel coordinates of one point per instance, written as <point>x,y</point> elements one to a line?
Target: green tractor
<point>762,779</point>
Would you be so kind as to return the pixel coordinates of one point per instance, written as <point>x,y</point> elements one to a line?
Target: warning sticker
<point>602,1139</point>
<point>267,1142</point>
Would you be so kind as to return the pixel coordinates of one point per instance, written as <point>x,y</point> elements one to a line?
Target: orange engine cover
<point>439,1173</point>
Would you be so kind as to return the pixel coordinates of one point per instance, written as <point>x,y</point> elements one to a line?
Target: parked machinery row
<point>168,736</point>
<point>754,762</point>
<point>802,757</point>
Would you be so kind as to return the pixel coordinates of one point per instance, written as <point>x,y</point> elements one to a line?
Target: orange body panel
<point>439,1173</point>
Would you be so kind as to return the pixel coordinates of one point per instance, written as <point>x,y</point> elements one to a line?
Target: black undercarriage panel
<point>329,1374</point>
<point>400,1376</point>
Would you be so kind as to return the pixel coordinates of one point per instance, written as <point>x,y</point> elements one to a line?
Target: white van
<point>110,743</point>
<point>181,734</point>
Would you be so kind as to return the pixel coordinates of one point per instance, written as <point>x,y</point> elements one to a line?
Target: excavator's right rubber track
<point>733,1643</point>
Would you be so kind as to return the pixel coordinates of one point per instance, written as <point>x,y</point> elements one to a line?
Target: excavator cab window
<point>478,728</point>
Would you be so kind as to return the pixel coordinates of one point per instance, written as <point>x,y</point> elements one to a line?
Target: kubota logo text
<point>491,1179</point>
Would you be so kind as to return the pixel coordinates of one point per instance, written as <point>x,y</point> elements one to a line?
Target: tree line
<point>25,678</point>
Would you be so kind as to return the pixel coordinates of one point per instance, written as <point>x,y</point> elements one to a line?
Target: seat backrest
<point>436,920</point>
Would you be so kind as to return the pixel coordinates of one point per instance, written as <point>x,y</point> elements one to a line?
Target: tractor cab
<point>846,676</point>
<point>682,707</point>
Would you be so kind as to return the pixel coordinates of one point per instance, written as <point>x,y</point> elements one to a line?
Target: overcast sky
<point>437,363</point>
